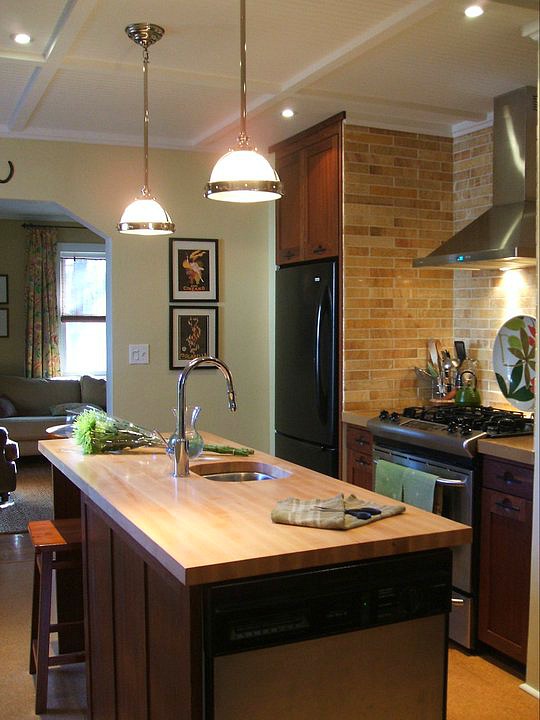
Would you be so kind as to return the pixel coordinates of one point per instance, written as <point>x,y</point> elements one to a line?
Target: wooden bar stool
<point>51,539</point>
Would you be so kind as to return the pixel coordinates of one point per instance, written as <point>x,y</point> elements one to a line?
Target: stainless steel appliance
<point>505,235</point>
<point>442,440</point>
<point>306,397</point>
<point>361,640</point>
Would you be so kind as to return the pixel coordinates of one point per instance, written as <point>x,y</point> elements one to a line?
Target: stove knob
<point>384,415</point>
<point>466,430</point>
<point>452,427</point>
<point>394,417</point>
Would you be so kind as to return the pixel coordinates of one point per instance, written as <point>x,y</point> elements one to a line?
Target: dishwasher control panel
<point>296,606</point>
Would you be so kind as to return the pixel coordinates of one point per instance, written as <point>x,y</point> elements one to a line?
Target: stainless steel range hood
<point>504,236</point>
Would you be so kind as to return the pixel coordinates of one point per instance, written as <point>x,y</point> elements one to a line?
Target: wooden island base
<point>179,628</point>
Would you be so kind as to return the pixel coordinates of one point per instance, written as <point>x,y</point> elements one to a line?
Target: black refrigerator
<point>306,378</point>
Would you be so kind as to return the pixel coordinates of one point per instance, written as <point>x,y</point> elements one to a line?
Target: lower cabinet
<point>143,630</point>
<point>359,457</point>
<point>505,557</point>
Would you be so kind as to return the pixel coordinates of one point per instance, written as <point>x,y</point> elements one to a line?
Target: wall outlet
<point>138,355</point>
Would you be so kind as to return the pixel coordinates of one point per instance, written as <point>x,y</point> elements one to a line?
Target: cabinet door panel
<point>359,470</point>
<point>323,199</point>
<point>290,210</point>
<point>505,552</point>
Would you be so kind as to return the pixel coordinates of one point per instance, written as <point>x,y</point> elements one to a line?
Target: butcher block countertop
<point>206,531</point>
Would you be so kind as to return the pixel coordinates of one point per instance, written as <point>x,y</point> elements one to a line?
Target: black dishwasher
<point>287,645</point>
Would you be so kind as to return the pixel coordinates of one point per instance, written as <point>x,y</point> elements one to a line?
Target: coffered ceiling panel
<point>416,65</point>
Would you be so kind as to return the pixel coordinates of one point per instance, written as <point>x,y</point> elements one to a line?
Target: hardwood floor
<point>479,688</point>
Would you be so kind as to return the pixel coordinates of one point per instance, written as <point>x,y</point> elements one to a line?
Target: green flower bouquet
<point>97,432</point>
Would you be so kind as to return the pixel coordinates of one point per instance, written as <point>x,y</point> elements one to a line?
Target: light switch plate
<point>139,354</point>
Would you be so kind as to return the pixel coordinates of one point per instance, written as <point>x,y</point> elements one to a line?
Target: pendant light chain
<point>243,139</point>
<point>146,189</point>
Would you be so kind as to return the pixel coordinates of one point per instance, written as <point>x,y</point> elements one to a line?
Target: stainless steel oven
<point>454,500</point>
<point>443,440</point>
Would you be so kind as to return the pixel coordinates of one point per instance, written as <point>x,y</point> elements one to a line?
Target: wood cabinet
<point>359,457</point>
<point>308,216</point>
<point>505,556</point>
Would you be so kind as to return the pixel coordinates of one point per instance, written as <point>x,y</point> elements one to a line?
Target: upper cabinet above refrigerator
<point>308,216</point>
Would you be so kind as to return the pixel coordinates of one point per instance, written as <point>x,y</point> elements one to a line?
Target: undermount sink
<point>238,471</point>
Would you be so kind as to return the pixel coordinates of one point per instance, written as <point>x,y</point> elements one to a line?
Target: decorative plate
<point>513,361</point>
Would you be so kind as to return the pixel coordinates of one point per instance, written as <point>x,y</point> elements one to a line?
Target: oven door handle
<point>446,482</point>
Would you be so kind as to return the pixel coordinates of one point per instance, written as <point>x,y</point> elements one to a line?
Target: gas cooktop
<point>455,429</point>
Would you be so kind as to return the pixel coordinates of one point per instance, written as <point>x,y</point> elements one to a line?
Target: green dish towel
<point>389,479</point>
<point>328,514</point>
<point>419,488</point>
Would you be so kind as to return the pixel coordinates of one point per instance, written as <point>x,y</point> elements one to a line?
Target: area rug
<point>32,498</point>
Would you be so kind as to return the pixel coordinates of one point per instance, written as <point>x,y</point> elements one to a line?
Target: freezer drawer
<point>315,457</point>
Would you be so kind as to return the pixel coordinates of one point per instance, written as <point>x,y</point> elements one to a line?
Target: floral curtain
<point>42,353</point>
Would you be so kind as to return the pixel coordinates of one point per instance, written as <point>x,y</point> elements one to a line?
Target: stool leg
<point>35,607</point>
<point>43,635</point>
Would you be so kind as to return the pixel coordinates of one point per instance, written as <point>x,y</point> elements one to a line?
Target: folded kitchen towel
<point>419,488</point>
<point>389,479</point>
<point>330,514</point>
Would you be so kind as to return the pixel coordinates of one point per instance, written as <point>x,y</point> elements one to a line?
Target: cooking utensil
<point>432,352</point>
<point>461,352</point>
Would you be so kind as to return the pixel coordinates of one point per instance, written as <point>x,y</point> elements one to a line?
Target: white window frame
<point>87,250</point>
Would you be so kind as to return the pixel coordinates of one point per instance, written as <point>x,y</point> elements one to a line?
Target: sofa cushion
<point>94,391</point>
<point>34,396</point>
<point>71,408</point>
<point>7,408</point>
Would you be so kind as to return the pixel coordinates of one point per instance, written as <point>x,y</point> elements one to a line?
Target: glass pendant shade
<point>145,216</point>
<point>243,176</point>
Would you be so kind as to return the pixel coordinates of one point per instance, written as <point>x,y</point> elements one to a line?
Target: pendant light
<point>243,175</point>
<point>145,216</point>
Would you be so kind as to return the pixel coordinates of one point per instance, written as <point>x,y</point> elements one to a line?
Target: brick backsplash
<point>405,193</point>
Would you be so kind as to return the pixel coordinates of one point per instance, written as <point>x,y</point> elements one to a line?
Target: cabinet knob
<point>318,250</point>
<point>506,504</point>
<point>509,478</point>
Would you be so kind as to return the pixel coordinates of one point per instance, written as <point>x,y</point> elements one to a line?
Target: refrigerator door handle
<point>322,396</point>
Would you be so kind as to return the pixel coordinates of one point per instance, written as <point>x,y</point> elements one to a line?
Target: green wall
<point>93,184</point>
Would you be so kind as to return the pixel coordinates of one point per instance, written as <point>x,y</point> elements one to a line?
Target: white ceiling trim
<point>397,23</point>
<point>68,27</point>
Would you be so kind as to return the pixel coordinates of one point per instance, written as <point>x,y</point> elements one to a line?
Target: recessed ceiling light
<point>288,113</point>
<point>21,38</point>
<point>474,11</point>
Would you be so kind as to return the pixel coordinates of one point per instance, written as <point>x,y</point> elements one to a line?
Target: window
<point>82,302</point>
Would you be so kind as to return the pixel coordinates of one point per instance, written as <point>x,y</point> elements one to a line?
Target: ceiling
<point>413,65</point>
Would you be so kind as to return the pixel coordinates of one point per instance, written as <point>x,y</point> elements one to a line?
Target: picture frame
<point>193,332</point>
<point>4,295</point>
<point>4,322</point>
<point>193,270</point>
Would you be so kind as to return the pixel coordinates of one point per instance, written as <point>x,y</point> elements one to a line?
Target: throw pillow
<point>94,391</point>
<point>7,408</point>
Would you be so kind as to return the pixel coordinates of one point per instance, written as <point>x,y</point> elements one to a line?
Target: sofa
<point>28,406</point>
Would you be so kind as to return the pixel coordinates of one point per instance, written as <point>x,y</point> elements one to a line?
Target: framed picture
<point>4,322</point>
<point>3,289</point>
<point>193,333</point>
<point>193,270</point>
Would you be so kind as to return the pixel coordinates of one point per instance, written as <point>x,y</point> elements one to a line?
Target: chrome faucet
<point>181,457</point>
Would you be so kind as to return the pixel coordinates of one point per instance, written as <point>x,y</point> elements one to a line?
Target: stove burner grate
<point>493,421</point>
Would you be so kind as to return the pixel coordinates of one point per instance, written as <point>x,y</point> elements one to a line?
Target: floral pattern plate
<point>513,361</point>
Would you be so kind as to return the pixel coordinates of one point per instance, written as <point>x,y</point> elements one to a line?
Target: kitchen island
<point>158,552</point>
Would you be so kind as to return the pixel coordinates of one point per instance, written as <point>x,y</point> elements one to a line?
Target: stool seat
<point>57,546</point>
